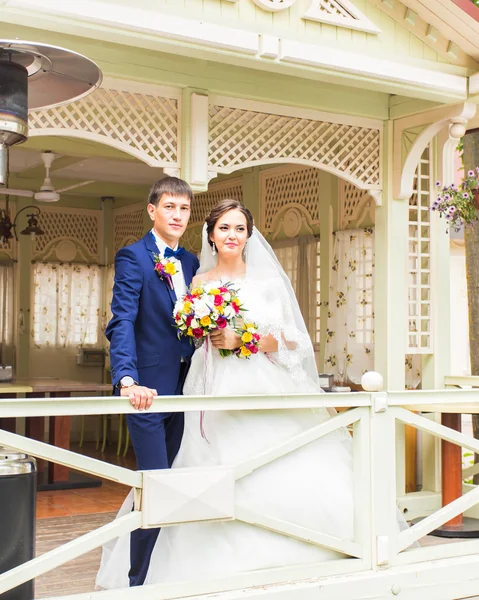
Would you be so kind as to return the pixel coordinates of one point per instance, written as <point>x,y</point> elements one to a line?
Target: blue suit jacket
<point>144,341</point>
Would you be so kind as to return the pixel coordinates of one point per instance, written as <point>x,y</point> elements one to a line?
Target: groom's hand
<point>225,339</point>
<point>140,396</point>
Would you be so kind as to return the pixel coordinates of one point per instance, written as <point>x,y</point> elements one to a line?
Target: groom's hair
<point>171,186</point>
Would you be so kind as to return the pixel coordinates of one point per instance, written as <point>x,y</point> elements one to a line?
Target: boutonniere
<point>165,268</point>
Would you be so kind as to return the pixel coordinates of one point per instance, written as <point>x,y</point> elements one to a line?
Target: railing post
<point>383,481</point>
<point>383,473</point>
<point>362,485</point>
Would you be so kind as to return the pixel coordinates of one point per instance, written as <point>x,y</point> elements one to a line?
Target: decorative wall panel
<point>293,188</point>
<point>419,260</point>
<point>204,202</point>
<point>143,124</point>
<point>79,226</point>
<point>240,137</point>
<point>354,204</point>
<point>128,225</point>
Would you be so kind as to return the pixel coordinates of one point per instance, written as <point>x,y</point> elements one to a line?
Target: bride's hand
<point>225,339</point>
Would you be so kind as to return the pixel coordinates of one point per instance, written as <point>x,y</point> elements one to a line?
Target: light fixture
<point>32,229</point>
<point>37,75</point>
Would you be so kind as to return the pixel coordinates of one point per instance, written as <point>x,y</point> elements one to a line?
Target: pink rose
<point>188,320</point>
<point>235,307</point>
<point>218,300</point>
<point>253,349</point>
<point>198,333</point>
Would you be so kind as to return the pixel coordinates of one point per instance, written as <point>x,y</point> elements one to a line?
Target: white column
<point>390,289</point>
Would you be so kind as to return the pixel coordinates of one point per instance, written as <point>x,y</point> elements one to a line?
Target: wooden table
<point>52,475</point>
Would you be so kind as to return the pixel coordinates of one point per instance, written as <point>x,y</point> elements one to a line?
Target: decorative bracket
<point>433,122</point>
<point>377,195</point>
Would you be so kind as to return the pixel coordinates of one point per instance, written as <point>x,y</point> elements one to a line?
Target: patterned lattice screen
<point>128,225</point>
<point>245,137</point>
<point>419,260</point>
<point>288,187</point>
<point>80,226</point>
<point>144,122</point>
<point>332,7</point>
<point>205,201</point>
<point>352,201</point>
<point>191,239</point>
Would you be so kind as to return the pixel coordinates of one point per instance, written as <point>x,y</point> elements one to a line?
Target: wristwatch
<point>127,381</point>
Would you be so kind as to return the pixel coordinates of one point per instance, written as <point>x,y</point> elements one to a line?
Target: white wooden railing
<point>377,548</point>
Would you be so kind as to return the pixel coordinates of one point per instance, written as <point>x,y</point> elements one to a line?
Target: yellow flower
<point>220,310</point>
<point>196,291</point>
<point>245,351</point>
<point>190,332</point>
<point>205,321</point>
<point>170,268</point>
<point>250,326</point>
<point>214,292</point>
<point>246,337</point>
<point>187,306</point>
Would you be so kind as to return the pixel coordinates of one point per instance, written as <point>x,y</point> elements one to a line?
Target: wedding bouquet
<point>208,307</point>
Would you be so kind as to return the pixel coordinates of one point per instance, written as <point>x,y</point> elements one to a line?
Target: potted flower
<point>458,204</point>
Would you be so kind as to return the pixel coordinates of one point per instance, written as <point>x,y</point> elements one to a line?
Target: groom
<point>147,358</point>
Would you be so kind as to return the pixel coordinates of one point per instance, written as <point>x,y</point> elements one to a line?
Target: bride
<point>310,487</point>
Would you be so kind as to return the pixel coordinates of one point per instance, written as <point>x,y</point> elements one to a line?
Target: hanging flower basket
<point>459,204</point>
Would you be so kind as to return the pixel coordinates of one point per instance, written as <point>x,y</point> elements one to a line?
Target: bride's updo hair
<point>223,207</point>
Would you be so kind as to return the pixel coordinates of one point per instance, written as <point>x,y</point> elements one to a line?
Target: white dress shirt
<point>178,279</point>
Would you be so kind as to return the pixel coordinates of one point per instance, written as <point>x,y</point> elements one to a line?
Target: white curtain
<point>108,281</point>
<point>350,333</point>
<point>6,313</point>
<point>300,259</point>
<point>66,305</point>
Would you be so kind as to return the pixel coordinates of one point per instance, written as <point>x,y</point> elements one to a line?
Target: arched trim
<point>100,139</point>
<point>305,163</point>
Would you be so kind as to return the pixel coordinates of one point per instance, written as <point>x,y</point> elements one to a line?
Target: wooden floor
<point>78,575</point>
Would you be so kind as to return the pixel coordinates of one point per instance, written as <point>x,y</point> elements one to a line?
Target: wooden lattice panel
<point>192,238</point>
<point>352,200</point>
<point>245,137</point>
<point>81,226</point>
<point>204,202</point>
<point>146,123</point>
<point>419,260</point>
<point>334,8</point>
<point>288,187</point>
<point>128,226</point>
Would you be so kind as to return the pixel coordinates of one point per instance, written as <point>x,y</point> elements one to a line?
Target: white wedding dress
<point>311,487</point>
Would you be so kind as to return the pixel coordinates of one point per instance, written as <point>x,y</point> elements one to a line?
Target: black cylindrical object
<point>18,485</point>
<point>13,89</point>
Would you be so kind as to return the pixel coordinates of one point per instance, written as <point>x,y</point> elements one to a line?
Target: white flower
<point>229,312</point>
<point>194,323</point>
<point>179,306</point>
<point>201,308</point>
<point>227,296</point>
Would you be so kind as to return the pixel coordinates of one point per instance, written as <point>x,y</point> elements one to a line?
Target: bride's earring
<point>213,249</point>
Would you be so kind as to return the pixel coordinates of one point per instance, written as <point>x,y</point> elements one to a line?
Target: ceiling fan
<point>47,192</point>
